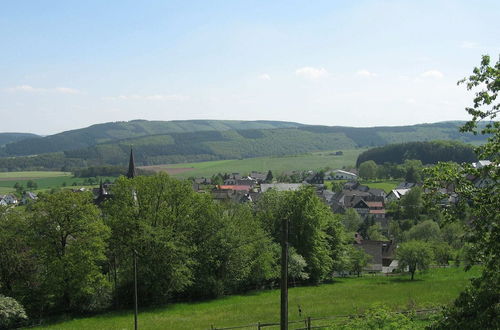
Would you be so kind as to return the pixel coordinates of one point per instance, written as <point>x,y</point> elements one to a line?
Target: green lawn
<point>386,185</point>
<point>311,161</point>
<point>345,296</point>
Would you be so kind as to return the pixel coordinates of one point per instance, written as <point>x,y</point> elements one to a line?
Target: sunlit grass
<point>345,296</point>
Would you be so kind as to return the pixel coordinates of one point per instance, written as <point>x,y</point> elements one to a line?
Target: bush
<point>378,317</point>
<point>12,313</point>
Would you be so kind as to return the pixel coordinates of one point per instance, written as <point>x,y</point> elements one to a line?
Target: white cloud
<point>410,100</point>
<point>311,73</point>
<point>153,97</point>
<point>432,74</point>
<point>265,76</point>
<point>468,44</point>
<point>366,73</point>
<point>31,89</point>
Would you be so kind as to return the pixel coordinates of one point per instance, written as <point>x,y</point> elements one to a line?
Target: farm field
<point>44,180</point>
<point>436,287</point>
<point>277,165</point>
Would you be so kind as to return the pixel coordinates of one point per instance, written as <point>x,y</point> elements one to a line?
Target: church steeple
<point>131,166</point>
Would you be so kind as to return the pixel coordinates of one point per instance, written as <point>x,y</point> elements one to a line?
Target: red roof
<point>235,187</point>
<point>374,204</point>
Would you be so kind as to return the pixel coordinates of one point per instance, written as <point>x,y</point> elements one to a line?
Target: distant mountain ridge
<point>191,141</point>
<point>114,131</point>
<point>6,138</point>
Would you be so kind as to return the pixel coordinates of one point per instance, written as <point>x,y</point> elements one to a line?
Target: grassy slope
<point>386,185</point>
<point>346,296</point>
<point>277,165</point>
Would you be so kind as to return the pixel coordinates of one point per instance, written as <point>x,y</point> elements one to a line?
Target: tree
<point>32,184</point>
<point>351,220</point>
<point>12,313</point>
<point>296,266</point>
<point>358,259</point>
<point>368,170</point>
<point>69,240</point>
<point>442,253</point>
<point>415,255</point>
<point>478,305</point>
<point>412,203</point>
<point>309,219</point>
<point>427,231</point>
<point>374,232</point>
<point>269,177</point>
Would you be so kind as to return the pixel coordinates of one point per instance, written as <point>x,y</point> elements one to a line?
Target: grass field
<point>346,296</point>
<point>44,180</point>
<point>277,165</point>
<point>386,185</point>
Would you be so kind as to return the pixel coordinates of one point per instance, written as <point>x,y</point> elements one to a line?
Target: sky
<point>70,64</point>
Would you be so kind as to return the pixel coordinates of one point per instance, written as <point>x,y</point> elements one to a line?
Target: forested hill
<point>13,137</point>
<point>114,131</point>
<point>192,146</point>
<point>429,152</point>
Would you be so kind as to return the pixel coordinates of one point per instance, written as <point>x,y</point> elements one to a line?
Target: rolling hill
<point>6,138</point>
<point>192,141</point>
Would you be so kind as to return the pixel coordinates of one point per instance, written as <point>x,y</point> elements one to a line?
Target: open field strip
<point>311,161</point>
<point>386,185</point>
<point>31,175</point>
<point>436,287</point>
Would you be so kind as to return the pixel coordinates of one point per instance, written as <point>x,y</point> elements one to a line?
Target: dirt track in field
<point>20,178</point>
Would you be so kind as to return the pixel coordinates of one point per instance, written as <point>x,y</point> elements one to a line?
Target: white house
<point>343,175</point>
<point>396,194</point>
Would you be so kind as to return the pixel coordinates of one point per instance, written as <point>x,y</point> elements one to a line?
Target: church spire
<point>131,165</point>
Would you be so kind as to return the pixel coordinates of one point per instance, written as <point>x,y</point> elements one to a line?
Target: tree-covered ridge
<point>13,137</point>
<point>430,152</point>
<point>101,133</point>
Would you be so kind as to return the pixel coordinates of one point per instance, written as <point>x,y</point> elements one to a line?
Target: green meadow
<point>344,296</point>
<point>310,161</point>
<point>44,180</point>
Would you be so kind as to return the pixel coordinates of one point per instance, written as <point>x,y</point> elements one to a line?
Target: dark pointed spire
<point>131,165</point>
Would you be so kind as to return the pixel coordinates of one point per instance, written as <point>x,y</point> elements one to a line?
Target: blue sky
<point>70,64</point>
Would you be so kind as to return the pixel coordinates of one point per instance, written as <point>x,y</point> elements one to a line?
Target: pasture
<point>310,161</point>
<point>44,179</point>
<point>433,288</point>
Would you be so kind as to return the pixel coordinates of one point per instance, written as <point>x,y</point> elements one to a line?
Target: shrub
<point>12,313</point>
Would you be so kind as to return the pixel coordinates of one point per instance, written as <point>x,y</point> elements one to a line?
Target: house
<point>481,164</point>
<point>234,187</point>
<point>257,176</point>
<point>29,197</point>
<point>315,178</point>
<point>343,175</point>
<point>382,253</point>
<point>9,199</point>
<point>396,194</point>
<point>280,186</point>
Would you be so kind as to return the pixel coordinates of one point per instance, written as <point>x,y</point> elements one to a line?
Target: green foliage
<point>358,259</point>
<point>478,204</point>
<point>414,255</point>
<point>426,231</point>
<point>412,203</point>
<point>368,170</point>
<point>351,220</point>
<point>309,218</point>
<point>374,232</point>
<point>296,266</point>
<point>379,317</point>
<point>442,253</point>
<point>69,241</point>
<point>12,314</point>
<point>430,152</point>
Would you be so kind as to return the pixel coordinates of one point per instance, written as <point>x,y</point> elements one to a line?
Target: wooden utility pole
<point>284,276</point>
<point>136,309</point>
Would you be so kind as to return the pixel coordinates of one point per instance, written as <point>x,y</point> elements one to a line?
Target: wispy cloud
<point>468,44</point>
<point>365,73</point>
<point>311,72</point>
<point>264,76</point>
<point>432,74</point>
<point>153,97</point>
<point>31,89</point>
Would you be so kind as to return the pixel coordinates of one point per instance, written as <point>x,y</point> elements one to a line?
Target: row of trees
<point>410,170</point>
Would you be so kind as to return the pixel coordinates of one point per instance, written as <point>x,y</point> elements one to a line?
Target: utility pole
<point>284,276</point>
<point>136,309</point>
